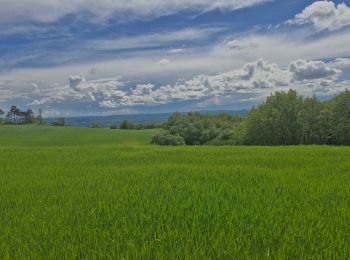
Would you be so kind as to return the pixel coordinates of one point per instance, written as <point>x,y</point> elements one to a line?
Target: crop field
<point>74,193</point>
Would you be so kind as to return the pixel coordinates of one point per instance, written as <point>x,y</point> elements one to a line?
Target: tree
<point>327,124</point>
<point>310,121</point>
<point>340,109</point>
<point>29,117</point>
<point>275,122</point>
<point>14,115</point>
<point>238,134</point>
<point>1,114</point>
<point>125,124</point>
<point>17,116</point>
<point>40,117</point>
<point>285,118</point>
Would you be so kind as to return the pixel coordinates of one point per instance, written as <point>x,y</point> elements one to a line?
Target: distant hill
<point>106,121</point>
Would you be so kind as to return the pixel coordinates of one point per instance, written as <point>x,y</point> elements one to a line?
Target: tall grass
<point>99,193</point>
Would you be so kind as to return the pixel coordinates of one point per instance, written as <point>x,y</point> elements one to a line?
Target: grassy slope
<point>34,136</point>
<point>68,192</point>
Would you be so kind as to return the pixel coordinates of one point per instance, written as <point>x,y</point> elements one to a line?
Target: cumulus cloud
<point>47,11</point>
<point>324,15</point>
<point>303,69</point>
<point>75,81</point>
<point>254,80</point>
<point>342,63</point>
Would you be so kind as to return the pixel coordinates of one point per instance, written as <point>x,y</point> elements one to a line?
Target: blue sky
<point>85,57</point>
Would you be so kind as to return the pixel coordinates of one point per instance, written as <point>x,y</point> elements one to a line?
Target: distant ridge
<point>106,121</point>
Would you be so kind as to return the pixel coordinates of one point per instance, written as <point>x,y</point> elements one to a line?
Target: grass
<point>100,193</point>
<point>36,136</point>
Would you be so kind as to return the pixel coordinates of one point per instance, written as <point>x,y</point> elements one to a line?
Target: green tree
<point>1,114</point>
<point>310,121</point>
<point>275,122</point>
<point>238,134</point>
<point>327,124</point>
<point>14,116</point>
<point>29,117</point>
<point>40,117</point>
<point>125,124</point>
<point>340,109</point>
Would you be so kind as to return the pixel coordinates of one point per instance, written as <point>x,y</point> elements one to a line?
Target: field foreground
<point>84,193</point>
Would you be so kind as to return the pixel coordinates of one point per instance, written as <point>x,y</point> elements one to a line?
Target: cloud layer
<point>48,11</point>
<point>255,80</point>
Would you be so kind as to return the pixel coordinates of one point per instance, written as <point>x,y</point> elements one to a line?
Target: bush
<point>199,129</point>
<point>113,127</point>
<point>166,138</point>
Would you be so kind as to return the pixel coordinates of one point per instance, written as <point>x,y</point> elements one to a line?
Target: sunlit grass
<point>82,193</point>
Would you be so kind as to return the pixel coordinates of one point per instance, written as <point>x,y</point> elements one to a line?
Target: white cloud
<point>324,15</point>
<point>36,89</point>
<point>163,62</point>
<point>281,47</point>
<point>156,39</point>
<point>342,63</point>
<point>235,44</point>
<point>47,11</point>
<point>278,47</point>
<point>176,51</point>
<point>303,69</point>
<point>76,81</point>
<point>255,81</point>
<point>242,83</point>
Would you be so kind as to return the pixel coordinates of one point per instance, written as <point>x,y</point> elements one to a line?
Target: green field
<point>109,194</point>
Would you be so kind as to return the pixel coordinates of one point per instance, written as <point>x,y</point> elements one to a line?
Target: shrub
<point>198,129</point>
<point>166,138</point>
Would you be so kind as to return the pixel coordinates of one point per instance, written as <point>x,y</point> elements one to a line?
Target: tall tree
<point>340,108</point>
<point>276,121</point>
<point>310,121</point>
<point>13,116</point>
<point>29,117</point>
<point>1,114</point>
<point>40,117</point>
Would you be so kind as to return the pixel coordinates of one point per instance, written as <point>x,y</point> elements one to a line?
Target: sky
<point>87,57</point>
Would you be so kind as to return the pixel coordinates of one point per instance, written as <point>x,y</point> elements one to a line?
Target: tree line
<point>285,118</point>
<point>16,116</point>
<point>127,125</point>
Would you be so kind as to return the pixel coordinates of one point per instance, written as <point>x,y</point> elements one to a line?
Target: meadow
<point>109,194</point>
